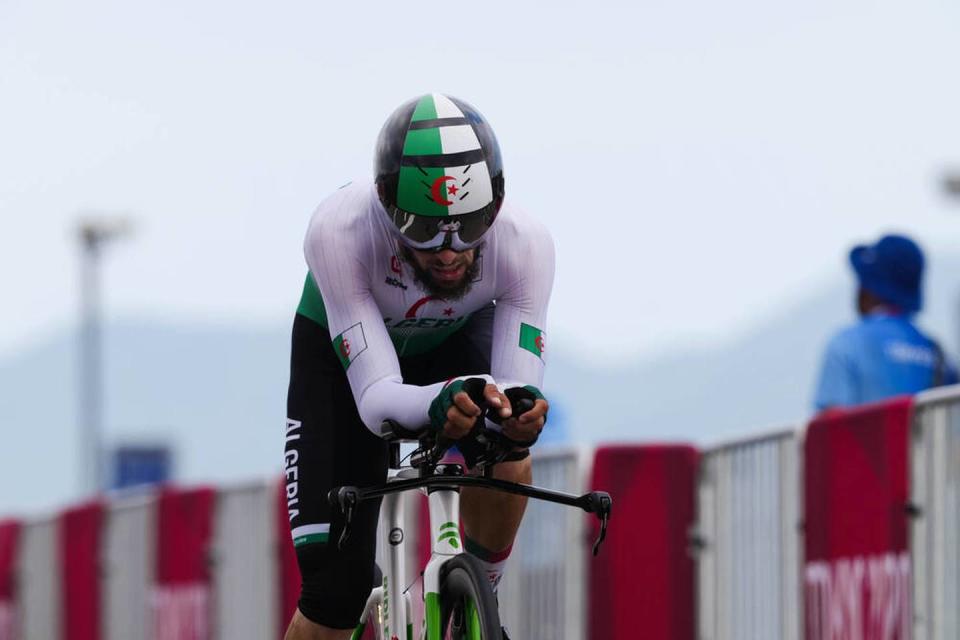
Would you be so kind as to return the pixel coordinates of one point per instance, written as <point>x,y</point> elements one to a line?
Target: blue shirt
<point>881,356</point>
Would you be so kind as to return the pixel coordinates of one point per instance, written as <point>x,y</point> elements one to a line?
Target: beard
<point>452,292</point>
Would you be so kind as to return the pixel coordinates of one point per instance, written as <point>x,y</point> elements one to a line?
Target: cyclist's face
<point>447,268</point>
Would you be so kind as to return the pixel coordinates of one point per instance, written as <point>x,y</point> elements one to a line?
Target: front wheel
<point>468,608</point>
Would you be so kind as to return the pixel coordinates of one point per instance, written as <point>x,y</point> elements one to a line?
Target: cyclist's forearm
<point>389,398</point>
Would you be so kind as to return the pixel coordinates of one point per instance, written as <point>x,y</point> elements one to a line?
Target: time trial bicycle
<point>458,601</point>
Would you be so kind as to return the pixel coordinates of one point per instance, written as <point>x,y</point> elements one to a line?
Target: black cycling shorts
<point>327,445</point>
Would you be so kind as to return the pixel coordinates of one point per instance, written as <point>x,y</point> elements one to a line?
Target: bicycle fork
<point>445,542</point>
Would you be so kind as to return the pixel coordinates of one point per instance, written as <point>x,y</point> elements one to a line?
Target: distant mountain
<point>218,392</point>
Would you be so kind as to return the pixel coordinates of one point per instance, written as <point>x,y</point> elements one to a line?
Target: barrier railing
<point>935,506</point>
<point>243,554</point>
<point>542,593</point>
<point>747,540</point>
<point>128,562</point>
<point>38,597</point>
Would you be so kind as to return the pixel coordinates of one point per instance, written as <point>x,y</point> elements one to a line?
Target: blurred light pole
<point>94,232</point>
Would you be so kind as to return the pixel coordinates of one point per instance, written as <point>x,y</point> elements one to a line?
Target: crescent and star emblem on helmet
<point>345,348</point>
<point>540,343</point>
<point>436,190</point>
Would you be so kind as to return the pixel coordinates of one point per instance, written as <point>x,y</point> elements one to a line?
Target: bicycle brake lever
<point>601,504</point>
<point>603,533</point>
<point>347,500</point>
<point>345,533</point>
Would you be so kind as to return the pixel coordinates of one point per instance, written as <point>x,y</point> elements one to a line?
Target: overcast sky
<point>699,163</point>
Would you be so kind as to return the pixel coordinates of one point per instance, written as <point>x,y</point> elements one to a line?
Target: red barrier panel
<point>9,541</point>
<point>641,584</point>
<point>79,543</point>
<point>289,572</point>
<point>180,601</point>
<point>857,573</point>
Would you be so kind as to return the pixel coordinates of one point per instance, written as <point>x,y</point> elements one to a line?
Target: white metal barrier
<point>935,527</point>
<point>38,581</point>
<point>128,556</point>
<point>747,540</point>
<point>747,545</point>
<point>542,596</point>
<point>244,555</point>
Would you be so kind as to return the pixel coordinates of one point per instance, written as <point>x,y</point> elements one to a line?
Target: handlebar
<point>483,447</point>
<point>346,499</point>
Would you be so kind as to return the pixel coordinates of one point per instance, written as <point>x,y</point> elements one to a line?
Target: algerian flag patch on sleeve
<point>350,344</point>
<point>531,339</point>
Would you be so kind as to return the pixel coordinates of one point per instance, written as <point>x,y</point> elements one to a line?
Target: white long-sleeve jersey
<point>365,294</point>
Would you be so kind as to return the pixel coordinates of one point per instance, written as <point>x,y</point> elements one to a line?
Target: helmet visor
<point>432,232</point>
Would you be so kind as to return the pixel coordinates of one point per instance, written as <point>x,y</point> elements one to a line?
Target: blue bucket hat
<point>892,270</point>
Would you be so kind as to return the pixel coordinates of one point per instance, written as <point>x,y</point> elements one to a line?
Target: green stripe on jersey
<point>313,538</point>
<point>310,534</point>
<point>407,342</point>
<point>410,342</point>
<point>311,302</point>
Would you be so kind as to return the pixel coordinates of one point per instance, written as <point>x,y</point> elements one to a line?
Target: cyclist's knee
<point>301,628</point>
<point>517,471</point>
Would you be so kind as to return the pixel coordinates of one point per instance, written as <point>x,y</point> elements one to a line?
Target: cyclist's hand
<point>455,410</point>
<point>463,412</point>
<point>527,426</point>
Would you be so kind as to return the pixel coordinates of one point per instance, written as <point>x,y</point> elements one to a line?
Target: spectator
<point>884,354</point>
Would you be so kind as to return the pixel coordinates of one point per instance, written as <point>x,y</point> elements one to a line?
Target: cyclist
<point>416,283</point>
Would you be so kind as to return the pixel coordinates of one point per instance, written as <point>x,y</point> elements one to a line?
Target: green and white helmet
<point>439,173</point>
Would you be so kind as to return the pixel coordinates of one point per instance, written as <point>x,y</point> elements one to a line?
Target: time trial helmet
<point>438,172</point>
